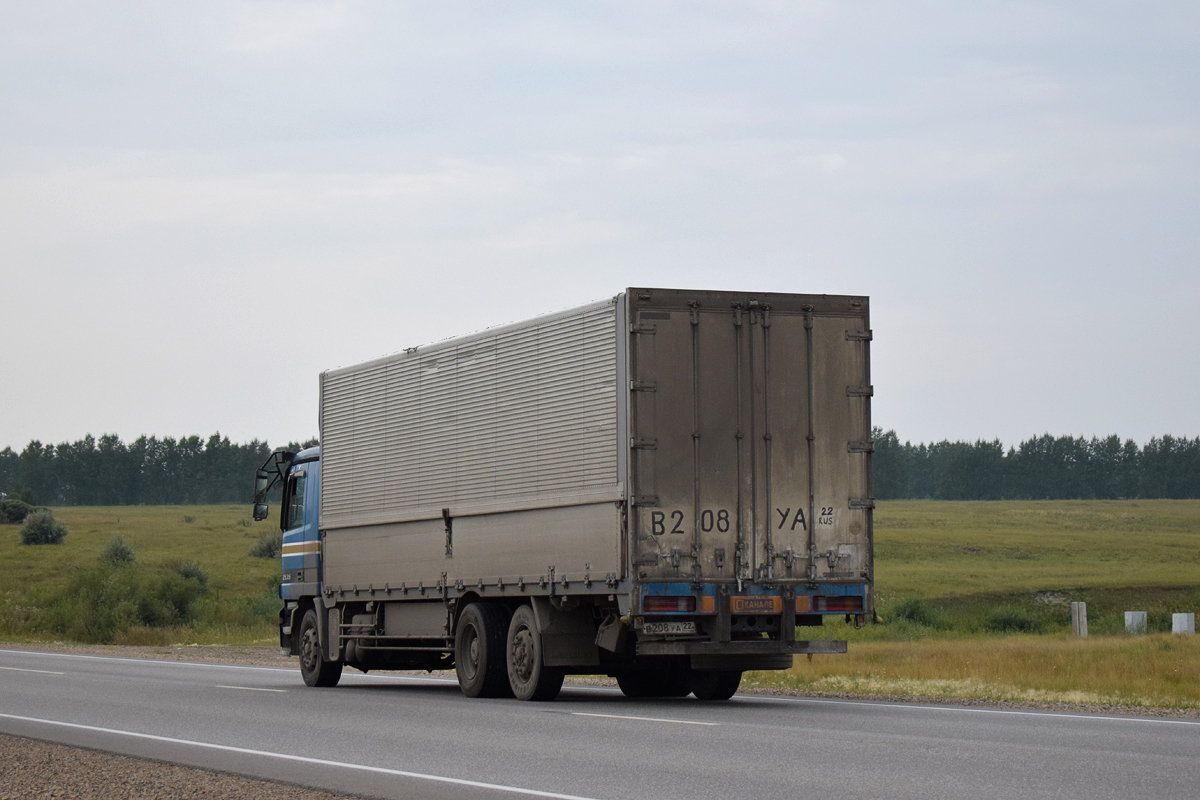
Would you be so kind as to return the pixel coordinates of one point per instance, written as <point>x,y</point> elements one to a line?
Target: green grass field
<point>936,549</point>
<point>967,558</point>
<point>238,607</point>
<point>943,569</point>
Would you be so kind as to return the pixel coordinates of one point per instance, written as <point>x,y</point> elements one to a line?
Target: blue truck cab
<point>299,475</point>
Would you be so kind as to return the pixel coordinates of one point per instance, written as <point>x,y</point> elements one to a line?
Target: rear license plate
<point>676,627</point>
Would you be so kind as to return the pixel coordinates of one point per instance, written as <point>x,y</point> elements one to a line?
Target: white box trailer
<point>664,486</point>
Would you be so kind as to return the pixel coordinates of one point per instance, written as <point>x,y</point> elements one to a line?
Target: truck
<point>668,487</point>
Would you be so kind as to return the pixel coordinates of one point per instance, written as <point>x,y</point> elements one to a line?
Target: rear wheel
<point>715,684</point>
<point>663,682</point>
<point>529,678</point>
<point>479,651</point>
<point>313,666</point>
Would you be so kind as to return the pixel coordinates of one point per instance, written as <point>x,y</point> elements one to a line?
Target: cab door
<point>301,544</point>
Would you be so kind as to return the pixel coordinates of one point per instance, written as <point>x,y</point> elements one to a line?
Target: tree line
<point>1041,468</point>
<point>147,471</point>
<point>191,470</point>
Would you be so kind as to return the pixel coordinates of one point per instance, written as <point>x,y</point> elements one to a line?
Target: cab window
<point>293,503</point>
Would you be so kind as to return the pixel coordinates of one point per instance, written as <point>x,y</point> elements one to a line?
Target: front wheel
<point>529,678</point>
<point>313,666</point>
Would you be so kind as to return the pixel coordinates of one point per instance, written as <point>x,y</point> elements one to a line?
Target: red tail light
<point>657,604</point>
<point>838,603</point>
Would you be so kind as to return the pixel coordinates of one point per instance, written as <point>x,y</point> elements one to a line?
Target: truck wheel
<point>634,684</point>
<point>654,683</point>
<point>715,684</point>
<point>313,666</point>
<point>479,651</point>
<point>529,678</point>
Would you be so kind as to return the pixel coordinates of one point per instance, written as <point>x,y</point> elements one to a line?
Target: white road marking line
<point>964,709</point>
<point>644,719</point>
<point>250,688</point>
<point>43,671</point>
<point>305,759</point>
<point>172,663</point>
<point>128,660</point>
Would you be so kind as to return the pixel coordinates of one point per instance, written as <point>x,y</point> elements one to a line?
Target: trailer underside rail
<point>764,647</point>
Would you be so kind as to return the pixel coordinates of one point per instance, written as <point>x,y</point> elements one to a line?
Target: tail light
<point>657,604</point>
<point>838,603</point>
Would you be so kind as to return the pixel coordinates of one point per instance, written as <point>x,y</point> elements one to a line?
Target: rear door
<point>750,427</point>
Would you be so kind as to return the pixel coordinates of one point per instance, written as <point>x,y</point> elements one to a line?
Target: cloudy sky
<point>204,205</point>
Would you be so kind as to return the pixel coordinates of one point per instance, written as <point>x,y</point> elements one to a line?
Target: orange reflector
<point>708,604</point>
<point>659,604</point>
<point>755,605</point>
<point>803,603</point>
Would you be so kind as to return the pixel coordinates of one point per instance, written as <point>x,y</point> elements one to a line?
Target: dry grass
<point>1160,670</point>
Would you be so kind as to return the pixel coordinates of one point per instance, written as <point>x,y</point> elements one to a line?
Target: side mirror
<point>266,479</point>
<point>262,485</point>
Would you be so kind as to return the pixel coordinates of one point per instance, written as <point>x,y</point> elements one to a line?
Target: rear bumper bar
<point>746,648</point>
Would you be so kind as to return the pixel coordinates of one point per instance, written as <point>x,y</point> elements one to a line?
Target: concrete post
<point>1135,621</point>
<point>1183,623</point>
<point>1079,619</point>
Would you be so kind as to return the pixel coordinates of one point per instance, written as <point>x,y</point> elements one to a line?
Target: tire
<point>479,651</point>
<point>662,682</point>
<point>313,666</point>
<point>634,684</point>
<point>715,684</point>
<point>528,677</point>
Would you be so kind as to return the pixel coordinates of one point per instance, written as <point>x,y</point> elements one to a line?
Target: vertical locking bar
<point>770,538</point>
<point>740,553</point>
<point>812,455</point>
<point>694,308</point>
<point>753,449</point>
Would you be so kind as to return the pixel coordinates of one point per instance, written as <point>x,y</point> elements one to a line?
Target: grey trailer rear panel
<point>750,429</point>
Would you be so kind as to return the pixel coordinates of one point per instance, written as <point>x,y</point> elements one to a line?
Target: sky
<point>203,206</point>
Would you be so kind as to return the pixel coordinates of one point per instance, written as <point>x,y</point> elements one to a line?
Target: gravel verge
<point>30,768</point>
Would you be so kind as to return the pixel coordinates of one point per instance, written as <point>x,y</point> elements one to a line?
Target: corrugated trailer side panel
<point>512,434</point>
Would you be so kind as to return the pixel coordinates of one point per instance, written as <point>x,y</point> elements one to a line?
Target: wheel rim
<point>471,646</point>
<point>523,654</point>
<point>308,649</point>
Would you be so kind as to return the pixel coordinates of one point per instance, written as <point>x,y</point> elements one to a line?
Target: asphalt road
<point>408,737</point>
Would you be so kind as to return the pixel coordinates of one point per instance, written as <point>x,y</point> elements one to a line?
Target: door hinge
<point>862,502</point>
<point>646,500</point>
<point>643,327</point>
<point>643,444</point>
<point>859,336</point>
<point>643,386</point>
<point>860,447</point>
<point>860,391</point>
